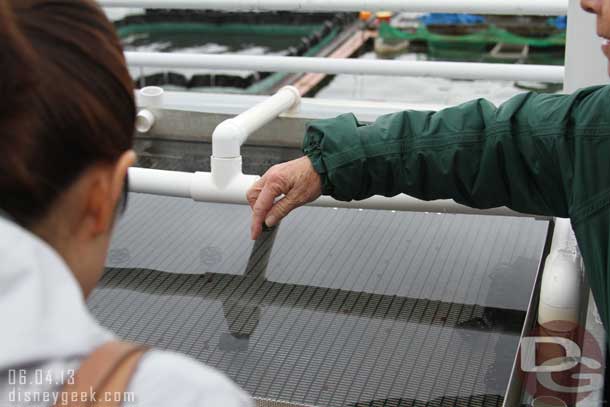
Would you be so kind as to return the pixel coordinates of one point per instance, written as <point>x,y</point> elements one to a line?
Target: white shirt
<point>46,329</point>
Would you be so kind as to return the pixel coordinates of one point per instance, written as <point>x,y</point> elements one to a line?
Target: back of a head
<point>66,100</point>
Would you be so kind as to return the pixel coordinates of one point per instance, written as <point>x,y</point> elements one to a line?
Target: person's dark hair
<point>66,100</point>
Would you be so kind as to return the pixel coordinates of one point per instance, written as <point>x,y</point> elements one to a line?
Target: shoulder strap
<point>106,372</point>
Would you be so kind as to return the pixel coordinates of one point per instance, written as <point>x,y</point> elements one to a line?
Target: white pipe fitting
<point>206,188</point>
<point>224,170</point>
<point>151,99</point>
<point>227,139</point>
<point>145,120</point>
<point>226,177</point>
<point>231,134</point>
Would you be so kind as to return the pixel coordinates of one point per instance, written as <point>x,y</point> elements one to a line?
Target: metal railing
<point>518,7</point>
<point>452,70</point>
<point>333,66</point>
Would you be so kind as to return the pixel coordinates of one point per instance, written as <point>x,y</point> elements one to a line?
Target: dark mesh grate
<point>334,308</point>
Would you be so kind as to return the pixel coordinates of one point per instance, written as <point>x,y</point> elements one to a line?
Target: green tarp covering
<point>491,35</point>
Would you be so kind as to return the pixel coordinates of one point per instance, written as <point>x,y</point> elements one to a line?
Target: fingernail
<point>270,221</point>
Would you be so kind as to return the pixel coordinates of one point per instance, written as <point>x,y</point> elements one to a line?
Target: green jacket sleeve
<point>521,154</point>
<point>536,153</point>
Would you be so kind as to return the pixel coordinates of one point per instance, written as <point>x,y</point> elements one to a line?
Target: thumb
<point>279,210</point>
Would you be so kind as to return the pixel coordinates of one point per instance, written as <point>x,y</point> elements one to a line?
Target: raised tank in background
<point>191,31</point>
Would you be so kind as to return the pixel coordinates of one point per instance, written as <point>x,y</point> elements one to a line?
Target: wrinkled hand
<point>296,180</point>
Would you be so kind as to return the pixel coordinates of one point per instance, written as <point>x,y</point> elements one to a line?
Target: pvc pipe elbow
<point>560,288</point>
<point>231,134</point>
<point>145,120</point>
<point>227,139</point>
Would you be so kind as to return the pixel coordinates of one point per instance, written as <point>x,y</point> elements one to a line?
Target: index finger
<point>262,206</point>
<point>254,191</point>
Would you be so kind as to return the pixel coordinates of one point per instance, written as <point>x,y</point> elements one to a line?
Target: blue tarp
<point>560,22</point>
<point>450,19</point>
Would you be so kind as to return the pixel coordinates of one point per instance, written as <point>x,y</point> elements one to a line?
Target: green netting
<point>491,35</point>
<point>203,28</point>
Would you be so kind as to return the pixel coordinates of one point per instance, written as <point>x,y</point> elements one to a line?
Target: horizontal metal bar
<point>453,70</point>
<point>519,7</point>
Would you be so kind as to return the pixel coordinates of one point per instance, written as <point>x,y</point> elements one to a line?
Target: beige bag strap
<point>103,377</point>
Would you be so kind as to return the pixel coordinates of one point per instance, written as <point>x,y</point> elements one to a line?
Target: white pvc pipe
<point>287,98</point>
<point>335,66</point>
<point>160,182</point>
<point>519,7</point>
<point>200,186</point>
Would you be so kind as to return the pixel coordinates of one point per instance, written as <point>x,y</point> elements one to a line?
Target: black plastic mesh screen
<point>335,307</point>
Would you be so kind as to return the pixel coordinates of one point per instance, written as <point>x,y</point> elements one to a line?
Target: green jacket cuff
<point>312,148</point>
